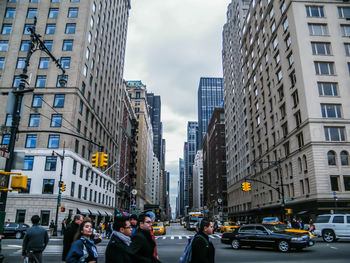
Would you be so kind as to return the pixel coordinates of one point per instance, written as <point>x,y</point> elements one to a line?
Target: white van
<point>332,227</point>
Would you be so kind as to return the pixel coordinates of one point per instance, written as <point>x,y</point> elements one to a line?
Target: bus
<point>193,219</point>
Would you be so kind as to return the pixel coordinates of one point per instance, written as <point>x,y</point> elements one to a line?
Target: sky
<point>170,45</point>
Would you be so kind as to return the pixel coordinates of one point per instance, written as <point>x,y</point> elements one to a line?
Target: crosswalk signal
<point>104,160</point>
<point>95,159</point>
<point>63,209</point>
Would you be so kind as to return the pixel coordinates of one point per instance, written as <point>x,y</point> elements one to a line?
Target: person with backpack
<point>200,249</point>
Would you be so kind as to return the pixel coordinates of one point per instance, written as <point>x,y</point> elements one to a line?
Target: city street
<point>171,246</point>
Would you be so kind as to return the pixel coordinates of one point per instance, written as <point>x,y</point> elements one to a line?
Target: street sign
<point>134,192</point>
<point>288,200</point>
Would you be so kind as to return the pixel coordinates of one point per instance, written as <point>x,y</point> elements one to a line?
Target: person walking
<point>118,249</point>
<point>69,234</point>
<point>63,226</point>
<point>84,248</point>
<point>35,241</point>
<point>142,244</point>
<point>203,250</point>
<point>133,222</point>
<point>153,218</point>
<point>52,227</point>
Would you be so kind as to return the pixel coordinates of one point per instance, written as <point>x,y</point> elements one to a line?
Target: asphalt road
<point>171,246</point>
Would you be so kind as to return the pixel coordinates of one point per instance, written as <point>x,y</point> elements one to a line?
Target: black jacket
<point>36,239</point>
<point>68,238</point>
<point>142,246</point>
<point>117,251</point>
<point>203,250</point>
<point>82,248</point>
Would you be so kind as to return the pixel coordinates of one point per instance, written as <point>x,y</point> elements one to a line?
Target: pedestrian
<point>63,228</point>
<point>142,244</point>
<point>52,227</point>
<point>35,241</point>
<point>133,222</point>
<point>311,226</point>
<point>118,249</point>
<point>153,218</point>
<point>69,234</point>
<point>203,250</point>
<point>83,248</point>
<point>295,224</point>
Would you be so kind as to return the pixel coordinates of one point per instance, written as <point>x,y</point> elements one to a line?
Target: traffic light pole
<point>59,190</point>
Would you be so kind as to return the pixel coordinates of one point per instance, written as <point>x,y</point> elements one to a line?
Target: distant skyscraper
<point>181,186</point>
<point>210,96</point>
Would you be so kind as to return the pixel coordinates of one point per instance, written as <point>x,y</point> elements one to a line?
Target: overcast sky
<point>170,45</point>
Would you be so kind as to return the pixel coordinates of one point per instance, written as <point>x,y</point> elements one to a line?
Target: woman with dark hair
<point>83,249</point>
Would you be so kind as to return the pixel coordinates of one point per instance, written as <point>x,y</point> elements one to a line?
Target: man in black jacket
<point>35,241</point>
<point>142,244</point>
<point>69,235</point>
<point>118,249</point>
<point>203,250</point>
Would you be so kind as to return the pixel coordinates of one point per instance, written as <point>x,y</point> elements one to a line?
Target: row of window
<point>318,11</point>
<point>67,45</point>
<point>53,12</point>
<point>335,183</point>
<point>332,158</point>
<point>49,30</point>
<point>316,29</point>
<point>40,81</point>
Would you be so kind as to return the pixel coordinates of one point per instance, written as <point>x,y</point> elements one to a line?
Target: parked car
<point>15,230</point>
<point>332,227</point>
<point>266,235</point>
<point>159,228</point>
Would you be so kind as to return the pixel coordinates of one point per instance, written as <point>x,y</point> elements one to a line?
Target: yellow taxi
<point>158,228</point>
<point>293,230</point>
<point>167,223</point>
<point>228,227</point>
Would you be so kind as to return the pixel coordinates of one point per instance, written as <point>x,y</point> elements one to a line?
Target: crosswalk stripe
<point>172,237</point>
<point>180,237</point>
<point>164,237</point>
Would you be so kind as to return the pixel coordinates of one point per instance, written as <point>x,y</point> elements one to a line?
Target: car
<point>166,223</point>
<point>331,227</point>
<point>228,226</point>
<point>158,228</point>
<point>266,235</point>
<point>16,230</point>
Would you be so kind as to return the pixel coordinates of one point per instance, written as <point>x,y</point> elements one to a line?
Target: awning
<point>94,212</point>
<point>302,212</point>
<point>108,213</point>
<point>83,211</point>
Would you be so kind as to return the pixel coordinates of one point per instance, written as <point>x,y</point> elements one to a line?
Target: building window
<point>31,13</point>
<point>346,179</point>
<point>318,29</point>
<point>314,11</point>
<point>324,68</point>
<point>54,141</point>
<point>53,12</point>
<point>72,189</point>
<point>56,120</point>
<point>321,48</point>
<point>67,45</point>
<point>34,120</point>
<point>76,146</point>
<point>20,63</point>
<point>345,30</point>
<point>37,100</point>
<point>79,191</point>
<point>28,163</point>
<point>59,101</point>
<point>73,12</point>
<point>6,29</point>
<point>45,214</point>
<point>300,138</point>
<point>40,81</point>
<point>26,30</point>
<point>85,70</point>
<point>327,89</point>
<point>74,169</point>
<point>334,134</point>
<point>24,45</point>
<point>4,45</point>
<point>48,44</point>
<point>331,158</point>
<point>8,121</point>
<point>27,190</point>
<point>16,81</point>
<point>344,12</point>
<point>50,29</point>
<point>6,139</point>
<point>10,12</point>
<point>31,140</point>
<point>55,1</point>
<point>48,186</point>
<point>344,157</point>
<point>331,111</point>
<point>65,62</point>
<point>2,63</point>
<point>74,1</point>
<point>92,21</point>
<point>70,28</point>
<point>334,183</point>
<point>51,162</point>
<point>44,63</point>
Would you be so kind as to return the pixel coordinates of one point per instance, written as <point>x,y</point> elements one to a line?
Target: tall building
<point>210,96</point>
<point>198,181</point>
<point>181,191</point>
<point>214,166</point>
<point>89,38</point>
<point>236,115</point>
<point>156,181</point>
<point>296,74</point>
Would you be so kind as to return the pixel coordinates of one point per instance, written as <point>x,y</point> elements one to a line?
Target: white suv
<point>332,227</point>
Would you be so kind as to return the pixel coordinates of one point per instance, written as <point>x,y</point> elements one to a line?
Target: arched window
<point>305,163</point>
<point>300,168</point>
<point>331,158</point>
<point>344,157</point>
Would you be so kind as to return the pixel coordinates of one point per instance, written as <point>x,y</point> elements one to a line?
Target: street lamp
<point>35,44</point>
<point>59,189</point>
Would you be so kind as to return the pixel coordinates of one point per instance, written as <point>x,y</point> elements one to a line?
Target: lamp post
<point>35,44</point>
<point>59,189</point>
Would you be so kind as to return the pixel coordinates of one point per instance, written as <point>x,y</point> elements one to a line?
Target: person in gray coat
<point>35,241</point>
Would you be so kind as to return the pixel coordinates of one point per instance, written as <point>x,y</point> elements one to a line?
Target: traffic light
<point>19,182</point>
<point>63,209</point>
<point>104,160</point>
<point>95,159</point>
<point>63,187</point>
<point>288,211</point>
<point>246,186</point>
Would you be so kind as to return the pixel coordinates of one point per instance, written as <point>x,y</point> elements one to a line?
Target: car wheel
<point>328,236</point>
<point>283,246</point>
<point>235,244</point>
<point>18,235</point>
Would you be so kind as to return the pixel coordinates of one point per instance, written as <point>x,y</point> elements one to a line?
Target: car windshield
<point>157,224</point>
<point>277,227</point>
<point>229,224</point>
